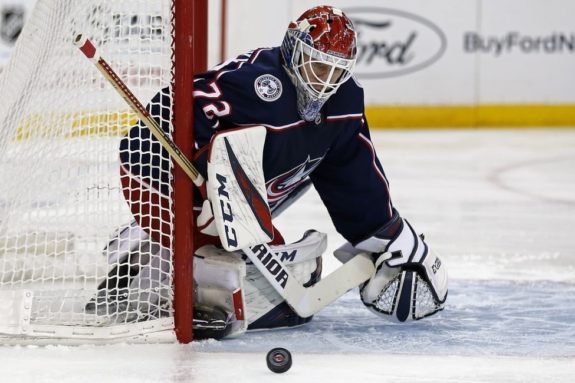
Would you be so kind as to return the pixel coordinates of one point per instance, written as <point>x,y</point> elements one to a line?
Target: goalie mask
<point>319,52</point>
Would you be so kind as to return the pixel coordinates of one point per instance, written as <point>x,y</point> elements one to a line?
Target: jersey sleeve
<point>353,186</point>
<point>215,101</point>
<point>223,99</point>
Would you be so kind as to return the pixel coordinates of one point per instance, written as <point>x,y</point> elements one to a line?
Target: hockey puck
<point>279,360</point>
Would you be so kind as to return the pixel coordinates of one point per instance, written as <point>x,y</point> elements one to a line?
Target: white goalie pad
<point>219,282</point>
<point>236,188</point>
<point>217,276</point>
<point>124,241</point>
<point>304,260</point>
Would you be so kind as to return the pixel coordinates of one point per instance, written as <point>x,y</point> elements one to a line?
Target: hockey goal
<point>65,227</point>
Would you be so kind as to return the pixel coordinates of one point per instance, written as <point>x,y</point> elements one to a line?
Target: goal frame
<point>49,274</point>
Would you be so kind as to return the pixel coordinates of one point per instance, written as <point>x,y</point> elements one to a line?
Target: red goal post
<point>186,64</point>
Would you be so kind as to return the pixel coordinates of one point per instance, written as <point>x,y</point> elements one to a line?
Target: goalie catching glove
<point>410,281</point>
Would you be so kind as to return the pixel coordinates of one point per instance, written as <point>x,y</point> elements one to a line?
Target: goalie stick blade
<point>307,301</point>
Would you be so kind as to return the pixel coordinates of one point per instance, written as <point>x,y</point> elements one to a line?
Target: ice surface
<point>499,205</point>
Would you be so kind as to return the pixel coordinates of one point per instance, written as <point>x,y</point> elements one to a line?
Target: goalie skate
<point>211,322</point>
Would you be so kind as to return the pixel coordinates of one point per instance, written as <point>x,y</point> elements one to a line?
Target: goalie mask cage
<point>65,227</point>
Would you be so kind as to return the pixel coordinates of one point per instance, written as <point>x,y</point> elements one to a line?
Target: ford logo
<point>394,43</point>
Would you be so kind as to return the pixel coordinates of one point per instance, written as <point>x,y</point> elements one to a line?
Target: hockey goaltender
<point>274,122</point>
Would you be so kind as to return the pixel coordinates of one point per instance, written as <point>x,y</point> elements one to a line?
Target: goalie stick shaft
<point>305,301</point>
<point>91,53</point>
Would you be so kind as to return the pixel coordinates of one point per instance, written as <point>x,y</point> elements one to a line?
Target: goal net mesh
<point>71,255</point>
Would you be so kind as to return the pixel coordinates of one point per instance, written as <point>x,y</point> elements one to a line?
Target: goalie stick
<point>305,301</point>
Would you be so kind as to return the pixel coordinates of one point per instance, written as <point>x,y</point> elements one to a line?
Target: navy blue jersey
<point>335,151</point>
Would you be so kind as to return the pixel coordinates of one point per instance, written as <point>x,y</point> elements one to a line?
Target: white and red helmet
<point>319,50</point>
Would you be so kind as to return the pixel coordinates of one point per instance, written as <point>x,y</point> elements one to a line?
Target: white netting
<point>423,302</point>
<point>60,192</point>
<point>388,297</point>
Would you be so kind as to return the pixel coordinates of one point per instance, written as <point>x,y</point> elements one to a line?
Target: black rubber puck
<point>279,360</point>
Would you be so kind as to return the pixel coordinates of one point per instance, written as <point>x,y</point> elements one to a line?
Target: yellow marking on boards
<point>471,116</point>
<point>77,124</point>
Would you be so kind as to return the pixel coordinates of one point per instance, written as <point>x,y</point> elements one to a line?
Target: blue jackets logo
<point>268,87</point>
<point>281,186</point>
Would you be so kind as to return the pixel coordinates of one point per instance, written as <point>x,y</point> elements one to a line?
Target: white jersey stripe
<point>345,117</point>
<point>369,144</point>
<point>282,127</point>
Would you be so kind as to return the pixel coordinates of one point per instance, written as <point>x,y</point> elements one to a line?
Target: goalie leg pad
<point>266,308</point>
<point>218,288</point>
<point>124,241</point>
<point>138,281</point>
<point>150,289</point>
<point>236,188</point>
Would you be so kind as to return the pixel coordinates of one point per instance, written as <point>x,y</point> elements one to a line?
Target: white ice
<point>499,205</point>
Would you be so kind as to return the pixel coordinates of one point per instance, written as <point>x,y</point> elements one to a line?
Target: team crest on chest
<point>268,87</point>
<point>281,186</point>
